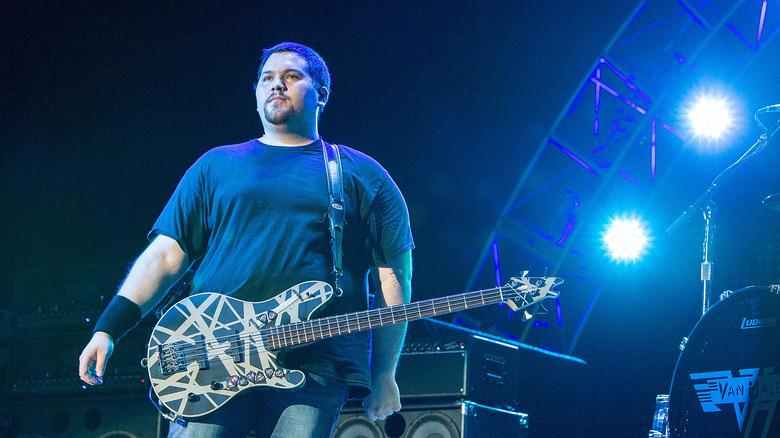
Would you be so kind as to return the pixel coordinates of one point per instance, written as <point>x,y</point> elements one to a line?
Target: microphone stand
<point>707,206</point>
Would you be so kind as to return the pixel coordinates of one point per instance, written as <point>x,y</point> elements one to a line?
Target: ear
<point>322,95</point>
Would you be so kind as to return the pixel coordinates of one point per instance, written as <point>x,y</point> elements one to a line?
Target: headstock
<point>529,290</point>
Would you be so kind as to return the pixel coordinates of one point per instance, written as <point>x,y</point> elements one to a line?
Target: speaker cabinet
<point>474,368</point>
<point>454,420</point>
<point>61,418</point>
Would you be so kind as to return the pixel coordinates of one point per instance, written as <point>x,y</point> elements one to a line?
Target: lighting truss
<point>620,137</point>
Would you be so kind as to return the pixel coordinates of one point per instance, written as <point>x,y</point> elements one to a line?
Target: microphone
<point>769,109</point>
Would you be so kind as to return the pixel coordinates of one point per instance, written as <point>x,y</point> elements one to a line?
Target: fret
<point>309,331</point>
<point>362,322</point>
<point>361,325</point>
<point>450,303</point>
<point>317,334</point>
<point>467,301</point>
<point>347,327</point>
<point>341,321</point>
<point>279,336</point>
<point>292,335</point>
<point>300,332</point>
<point>274,336</point>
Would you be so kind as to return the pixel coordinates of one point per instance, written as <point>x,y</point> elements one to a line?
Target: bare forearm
<point>153,273</point>
<point>395,288</point>
<point>388,342</point>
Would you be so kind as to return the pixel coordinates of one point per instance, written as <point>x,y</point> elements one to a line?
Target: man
<point>254,216</point>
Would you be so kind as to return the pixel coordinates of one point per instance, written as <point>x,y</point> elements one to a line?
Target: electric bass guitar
<point>209,347</point>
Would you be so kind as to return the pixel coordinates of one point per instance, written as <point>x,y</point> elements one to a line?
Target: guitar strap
<point>333,170</point>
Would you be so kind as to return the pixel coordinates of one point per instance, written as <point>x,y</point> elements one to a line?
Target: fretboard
<point>323,328</point>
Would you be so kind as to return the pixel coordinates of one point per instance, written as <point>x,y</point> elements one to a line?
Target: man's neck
<point>288,139</point>
<point>290,134</point>
<point>298,131</point>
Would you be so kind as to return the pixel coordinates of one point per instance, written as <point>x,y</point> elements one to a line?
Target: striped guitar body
<point>209,347</point>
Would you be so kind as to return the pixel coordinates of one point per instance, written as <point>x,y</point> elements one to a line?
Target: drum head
<point>727,379</point>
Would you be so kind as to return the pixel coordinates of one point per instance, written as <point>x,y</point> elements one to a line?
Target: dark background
<point>105,105</point>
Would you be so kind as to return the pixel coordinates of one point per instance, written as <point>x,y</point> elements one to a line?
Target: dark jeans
<point>310,412</point>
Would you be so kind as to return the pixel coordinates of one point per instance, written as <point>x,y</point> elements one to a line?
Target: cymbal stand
<point>706,205</point>
<point>706,265</point>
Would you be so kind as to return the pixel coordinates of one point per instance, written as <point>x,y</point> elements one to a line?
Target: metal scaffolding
<point>620,136</point>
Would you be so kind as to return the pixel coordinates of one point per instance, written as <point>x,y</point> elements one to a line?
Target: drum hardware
<point>726,383</point>
<point>707,207</point>
<point>772,201</point>
<point>683,343</point>
<point>660,427</point>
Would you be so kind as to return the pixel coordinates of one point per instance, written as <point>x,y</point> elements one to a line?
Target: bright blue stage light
<point>710,117</point>
<point>626,239</point>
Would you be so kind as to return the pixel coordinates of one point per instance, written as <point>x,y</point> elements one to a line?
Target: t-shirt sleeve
<point>185,216</point>
<point>390,222</point>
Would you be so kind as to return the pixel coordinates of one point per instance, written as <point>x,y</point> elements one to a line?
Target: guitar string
<point>301,332</point>
<point>309,331</point>
<point>294,337</point>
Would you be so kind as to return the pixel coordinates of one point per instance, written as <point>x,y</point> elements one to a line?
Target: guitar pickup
<point>175,357</point>
<point>236,350</point>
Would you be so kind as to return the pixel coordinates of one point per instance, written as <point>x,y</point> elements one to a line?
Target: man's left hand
<point>384,400</point>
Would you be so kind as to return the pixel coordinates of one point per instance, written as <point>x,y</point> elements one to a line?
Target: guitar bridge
<point>175,357</point>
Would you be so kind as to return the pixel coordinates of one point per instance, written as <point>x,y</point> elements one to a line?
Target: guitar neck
<point>309,331</point>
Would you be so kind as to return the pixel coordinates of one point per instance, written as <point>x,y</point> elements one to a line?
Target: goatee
<point>277,116</point>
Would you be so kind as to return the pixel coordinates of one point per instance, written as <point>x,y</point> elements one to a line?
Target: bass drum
<point>727,379</point>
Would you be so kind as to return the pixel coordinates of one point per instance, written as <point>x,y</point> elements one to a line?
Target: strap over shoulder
<point>335,174</point>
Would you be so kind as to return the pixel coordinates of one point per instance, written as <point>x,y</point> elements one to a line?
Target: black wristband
<point>120,316</point>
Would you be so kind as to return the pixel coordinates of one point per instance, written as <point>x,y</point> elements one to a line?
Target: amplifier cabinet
<point>60,417</point>
<point>53,313</point>
<point>453,420</point>
<point>474,368</point>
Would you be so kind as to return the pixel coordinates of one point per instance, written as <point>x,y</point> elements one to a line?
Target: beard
<point>277,115</point>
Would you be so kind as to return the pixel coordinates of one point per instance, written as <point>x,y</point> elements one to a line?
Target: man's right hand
<point>92,362</point>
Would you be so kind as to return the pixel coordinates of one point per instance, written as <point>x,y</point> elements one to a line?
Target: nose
<point>278,84</point>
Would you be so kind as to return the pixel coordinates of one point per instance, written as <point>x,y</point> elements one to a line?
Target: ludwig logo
<point>758,322</point>
<point>753,390</point>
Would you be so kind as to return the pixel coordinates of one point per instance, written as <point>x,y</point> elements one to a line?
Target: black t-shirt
<point>254,217</point>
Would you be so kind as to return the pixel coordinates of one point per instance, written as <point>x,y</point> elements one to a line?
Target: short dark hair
<point>318,70</point>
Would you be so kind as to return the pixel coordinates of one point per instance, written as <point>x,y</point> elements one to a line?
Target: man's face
<point>285,93</point>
